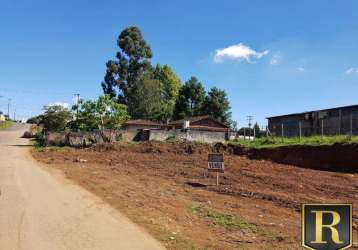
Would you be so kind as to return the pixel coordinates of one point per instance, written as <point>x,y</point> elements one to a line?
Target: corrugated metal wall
<point>342,121</point>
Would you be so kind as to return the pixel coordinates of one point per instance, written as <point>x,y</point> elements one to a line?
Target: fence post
<point>300,129</point>
<point>282,131</point>
<point>244,134</point>
<point>322,130</point>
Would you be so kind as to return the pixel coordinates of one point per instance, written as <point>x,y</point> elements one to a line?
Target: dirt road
<point>40,210</point>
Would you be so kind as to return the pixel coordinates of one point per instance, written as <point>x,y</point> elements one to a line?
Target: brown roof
<point>142,122</point>
<point>195,119</point>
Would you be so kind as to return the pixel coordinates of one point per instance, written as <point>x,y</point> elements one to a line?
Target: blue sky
<point>272,57</point>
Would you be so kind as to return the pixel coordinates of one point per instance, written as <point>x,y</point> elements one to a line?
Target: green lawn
<point>6,124</point>
<point>269,142</point>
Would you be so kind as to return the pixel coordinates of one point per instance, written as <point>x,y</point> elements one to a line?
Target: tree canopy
<point>170,85</point>
<point>55,118</point>
<point>217,105</point>
<point>132,61</point>
<point>103,113</point>
<point>190,100</point>
<point>147,102</point>
<point>157,93</point>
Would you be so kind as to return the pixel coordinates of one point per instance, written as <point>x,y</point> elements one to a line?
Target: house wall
<point>129,135</point>
<point>190,135</point>
<point>131,132</point>
<point>335,121</point>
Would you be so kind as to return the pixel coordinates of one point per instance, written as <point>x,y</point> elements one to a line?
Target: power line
<point>249,119</point>
<point>17,91</point>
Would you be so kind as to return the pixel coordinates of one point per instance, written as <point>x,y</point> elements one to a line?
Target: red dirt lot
<point>166,188</point>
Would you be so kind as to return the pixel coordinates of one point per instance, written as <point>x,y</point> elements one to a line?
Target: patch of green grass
<point>230,221</point>
<point>6,124</point>
<point>270,142</point>
<point>39,147</point>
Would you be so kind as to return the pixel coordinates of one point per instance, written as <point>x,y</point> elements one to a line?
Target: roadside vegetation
<point>271,142</point>
<point>226,220</point>
<point>6,124</point>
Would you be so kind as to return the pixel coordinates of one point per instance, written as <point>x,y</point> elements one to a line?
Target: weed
<point>6,124</point>
<point>270,142</point>
<point>230,221</point>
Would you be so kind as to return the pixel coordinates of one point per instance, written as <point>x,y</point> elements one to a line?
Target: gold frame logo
<point>327,226</point>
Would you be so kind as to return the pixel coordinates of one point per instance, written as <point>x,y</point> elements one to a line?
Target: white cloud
<point>238,52</point>
<point>351,70</point>
<point>300,69</point>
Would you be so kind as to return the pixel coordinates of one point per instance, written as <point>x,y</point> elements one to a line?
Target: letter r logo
<point>327,226</point>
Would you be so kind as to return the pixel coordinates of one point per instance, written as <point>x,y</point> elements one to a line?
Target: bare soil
<point>166,188</point>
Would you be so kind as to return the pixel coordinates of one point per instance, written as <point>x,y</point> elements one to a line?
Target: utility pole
<point>249,120</point>
<point>8,108</point>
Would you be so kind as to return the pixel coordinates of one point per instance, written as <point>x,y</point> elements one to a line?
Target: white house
<point>2,118</point>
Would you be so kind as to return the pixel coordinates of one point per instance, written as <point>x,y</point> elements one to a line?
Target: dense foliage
<point>55,118</point>
<point>156,93</point>
<point>190,99</point>
<point>217,105</point>
<point>170,85</point>
<point>103,113</point>
<point>35,119</point>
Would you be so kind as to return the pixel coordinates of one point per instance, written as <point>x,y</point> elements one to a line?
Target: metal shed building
<point>333,121</point>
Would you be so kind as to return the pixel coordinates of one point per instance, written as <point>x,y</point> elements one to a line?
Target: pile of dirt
<point>337,157</point>
<point>154,147</point>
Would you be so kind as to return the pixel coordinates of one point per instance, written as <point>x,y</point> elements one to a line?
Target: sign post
<point>216,164</point>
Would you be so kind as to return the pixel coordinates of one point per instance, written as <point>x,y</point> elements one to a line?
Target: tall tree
<point>217,105</point>
<point>170,85</point>
<point>132,61</point>
<point>147,102</point>
<point>190,100</point>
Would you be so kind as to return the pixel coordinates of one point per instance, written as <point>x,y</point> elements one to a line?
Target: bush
<point>55,118</point>
<point>103,113</point>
